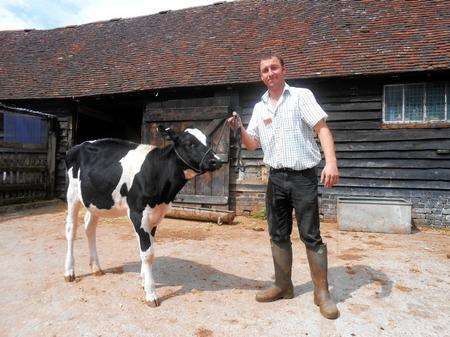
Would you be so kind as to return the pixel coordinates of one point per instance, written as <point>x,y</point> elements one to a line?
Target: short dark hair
<point>268,56</point>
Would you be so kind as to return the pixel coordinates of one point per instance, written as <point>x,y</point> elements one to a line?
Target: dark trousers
<point>288,190</point>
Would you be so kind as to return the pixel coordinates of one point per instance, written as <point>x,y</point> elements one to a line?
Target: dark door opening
<point>106,119</point>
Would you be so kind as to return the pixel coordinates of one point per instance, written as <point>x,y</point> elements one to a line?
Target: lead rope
<point>239,163</point>
<point>237,136</point>
<point>220,135</point>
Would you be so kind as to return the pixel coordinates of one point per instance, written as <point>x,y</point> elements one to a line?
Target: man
<point>283,124</point>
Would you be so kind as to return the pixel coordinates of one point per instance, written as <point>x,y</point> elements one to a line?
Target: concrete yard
<point>207,276</point>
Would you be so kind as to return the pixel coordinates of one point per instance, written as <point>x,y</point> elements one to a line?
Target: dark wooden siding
<point>372,160</point>
<point>371,157</point>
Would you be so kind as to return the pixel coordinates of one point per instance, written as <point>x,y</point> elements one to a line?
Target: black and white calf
<point>111,177</point>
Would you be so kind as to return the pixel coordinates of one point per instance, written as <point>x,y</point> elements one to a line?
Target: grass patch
<point>260,214</point>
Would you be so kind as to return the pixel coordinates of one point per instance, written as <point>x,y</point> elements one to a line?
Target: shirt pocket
<point>266,130</point>
<point>292,120</point>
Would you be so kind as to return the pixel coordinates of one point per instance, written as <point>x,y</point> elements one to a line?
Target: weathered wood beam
<point>202,214</point>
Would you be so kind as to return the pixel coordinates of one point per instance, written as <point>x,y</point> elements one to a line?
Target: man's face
<point>272,73</point>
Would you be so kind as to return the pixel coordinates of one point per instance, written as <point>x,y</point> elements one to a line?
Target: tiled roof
<point>219,44</point>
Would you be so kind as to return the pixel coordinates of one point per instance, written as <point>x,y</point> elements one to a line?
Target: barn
<point>379,68</point>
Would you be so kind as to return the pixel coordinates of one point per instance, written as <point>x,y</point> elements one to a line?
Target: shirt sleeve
<point>312,112</point>
<point>252,127</point>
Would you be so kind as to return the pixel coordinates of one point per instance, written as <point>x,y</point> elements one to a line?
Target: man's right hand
<point>235,121</point>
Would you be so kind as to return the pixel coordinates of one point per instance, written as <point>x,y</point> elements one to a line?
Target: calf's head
<point>193,148</point>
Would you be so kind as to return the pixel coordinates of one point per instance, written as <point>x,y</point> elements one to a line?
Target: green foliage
<point>260,214</point>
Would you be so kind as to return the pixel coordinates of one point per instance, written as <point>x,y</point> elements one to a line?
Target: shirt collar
<point>286,89</point>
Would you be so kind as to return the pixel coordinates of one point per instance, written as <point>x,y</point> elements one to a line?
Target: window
<point>416,103</point>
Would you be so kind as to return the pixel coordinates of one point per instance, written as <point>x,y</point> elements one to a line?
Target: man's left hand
<point>330,175</point>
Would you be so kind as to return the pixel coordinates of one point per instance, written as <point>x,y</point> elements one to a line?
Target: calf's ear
<point>167,132</point>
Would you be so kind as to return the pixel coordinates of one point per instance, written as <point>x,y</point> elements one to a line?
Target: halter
<point>237,135</point>
<point>198,170</point>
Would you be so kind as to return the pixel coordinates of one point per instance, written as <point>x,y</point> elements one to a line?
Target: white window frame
<point>424,119</point>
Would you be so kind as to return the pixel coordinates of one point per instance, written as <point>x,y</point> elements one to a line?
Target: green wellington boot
<point>282,261</point>
<point>318,265</point>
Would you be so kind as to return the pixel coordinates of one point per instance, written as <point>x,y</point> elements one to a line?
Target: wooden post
<point>51,160</point>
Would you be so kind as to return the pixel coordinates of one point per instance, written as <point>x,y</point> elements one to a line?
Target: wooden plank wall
<point>410,163</point>
<point>376,161</point>
<point>211,188</point>
<point>24,174</point>
<point>27,171</point>
<point>247,189</point>
<point>65,113</point>
<point>65,142</point>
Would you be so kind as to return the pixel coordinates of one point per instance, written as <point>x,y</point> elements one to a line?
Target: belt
<point>283,169</point>
<point>289,170</point>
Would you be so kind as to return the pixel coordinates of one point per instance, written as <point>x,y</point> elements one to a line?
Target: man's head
<point>272,71</point>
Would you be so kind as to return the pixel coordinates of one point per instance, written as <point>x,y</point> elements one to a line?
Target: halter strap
<point>198,170</point>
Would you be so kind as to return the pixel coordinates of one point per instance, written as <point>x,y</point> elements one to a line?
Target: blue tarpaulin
<point>26,129</point>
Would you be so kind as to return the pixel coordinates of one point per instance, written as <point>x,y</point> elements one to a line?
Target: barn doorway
<point>211,189</point>
<point>108,118</point>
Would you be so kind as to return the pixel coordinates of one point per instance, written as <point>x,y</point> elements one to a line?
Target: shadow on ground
<point>193,276</point>
<point>24,212</point>
<point>345,280</point>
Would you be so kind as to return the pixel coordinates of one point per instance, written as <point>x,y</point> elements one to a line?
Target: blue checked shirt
<point>285,131</point>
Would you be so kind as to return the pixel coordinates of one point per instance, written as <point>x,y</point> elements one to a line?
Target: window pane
<point>414,102</point>
<point>435,101</point>
<point>393,103</point>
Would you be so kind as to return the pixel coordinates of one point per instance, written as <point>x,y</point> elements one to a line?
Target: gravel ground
<point>207,276</point>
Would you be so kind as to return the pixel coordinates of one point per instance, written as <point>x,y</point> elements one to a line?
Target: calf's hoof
<point>153,303</point>
<point>69,278</point>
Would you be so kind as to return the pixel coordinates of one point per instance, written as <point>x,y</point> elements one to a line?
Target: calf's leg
<point>73,206</point>
<point>141,226</point>
<point>90,226</point>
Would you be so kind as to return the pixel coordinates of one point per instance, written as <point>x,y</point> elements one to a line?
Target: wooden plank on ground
<point>203,214</point>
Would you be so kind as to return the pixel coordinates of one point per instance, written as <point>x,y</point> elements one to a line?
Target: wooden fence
<point>27,155</point>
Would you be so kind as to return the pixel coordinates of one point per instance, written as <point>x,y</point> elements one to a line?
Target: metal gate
<point>212,188</point>
<point>27,155</point>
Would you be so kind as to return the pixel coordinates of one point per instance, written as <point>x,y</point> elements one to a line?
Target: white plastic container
<point>374,214</point>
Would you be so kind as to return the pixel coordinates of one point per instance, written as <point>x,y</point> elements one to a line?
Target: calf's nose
<point>215,163</point>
